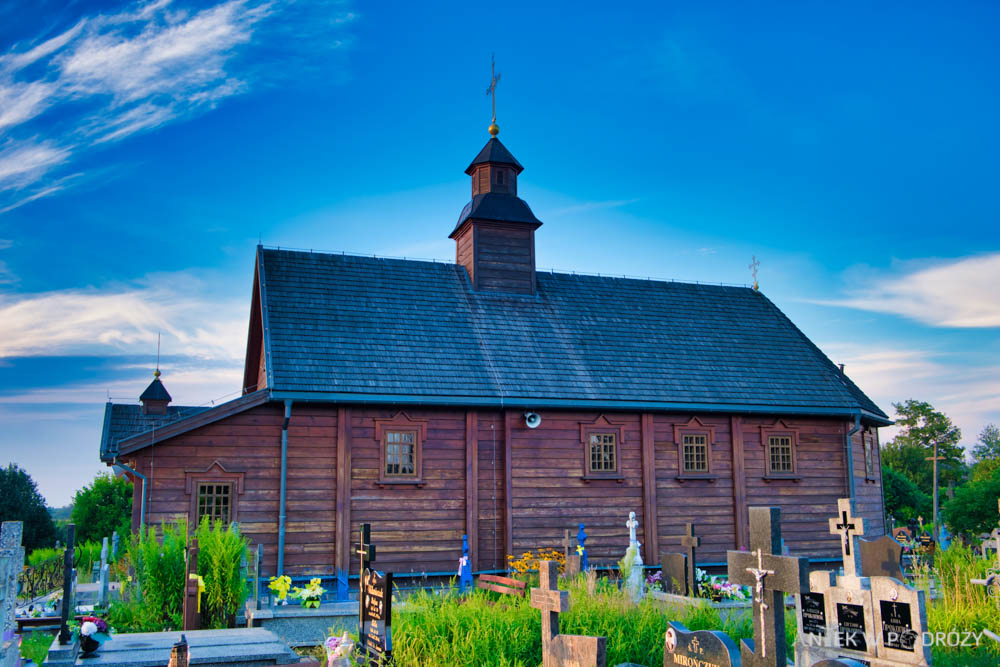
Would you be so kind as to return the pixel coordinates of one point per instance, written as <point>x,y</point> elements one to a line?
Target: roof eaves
<point>106,454</point>
<point>173,429</point>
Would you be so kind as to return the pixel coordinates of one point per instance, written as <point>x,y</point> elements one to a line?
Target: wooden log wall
<point>509,487</point>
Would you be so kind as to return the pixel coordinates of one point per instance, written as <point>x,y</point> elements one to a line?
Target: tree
<point>21,501</point>
<point>988,447</point>
<point>923,427</point>
<point>903,499</point>
<point>103,508</point>
<point>973,510</point>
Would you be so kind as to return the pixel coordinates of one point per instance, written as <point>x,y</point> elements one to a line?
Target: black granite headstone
<point>674,573</point>
<point>881,558</point>
<point>897,626</point>
<point>376,616</point>
<point>705,648</point>
<point>814,614</point>
<point>851,626</point>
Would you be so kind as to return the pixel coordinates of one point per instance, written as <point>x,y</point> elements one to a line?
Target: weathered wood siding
<point>521,503</point>
<point>504,258</point>
<point>868,492</point>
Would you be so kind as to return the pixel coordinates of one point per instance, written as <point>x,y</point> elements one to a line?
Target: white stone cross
<point>850,528</point>
<point>632,525</point>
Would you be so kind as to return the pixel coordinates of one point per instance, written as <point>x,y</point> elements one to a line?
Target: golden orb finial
<point>494,129</point>
<point>156,373</point>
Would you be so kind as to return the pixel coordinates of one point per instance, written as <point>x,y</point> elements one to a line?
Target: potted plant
<point>338,651</point>
<point>92,631</point>
<point>280,586</point>
<point>310,595</point>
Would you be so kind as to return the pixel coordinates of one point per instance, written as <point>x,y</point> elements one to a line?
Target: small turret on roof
<point>156,398</point>
<point>494,152</point>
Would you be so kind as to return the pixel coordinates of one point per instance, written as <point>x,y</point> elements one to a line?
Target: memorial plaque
<point>851,626</point>
<point>376,616</point>
<point>897,626</point>
<point>704,648</point>
<point>673,568</point>
<point>814,614</point>
<point>902,534</point>
<point>881,557</point>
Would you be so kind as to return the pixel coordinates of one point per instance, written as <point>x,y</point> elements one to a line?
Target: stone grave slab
<point>881,557</point>
<point>704,648</point>
<point>674,573</point>
<point>298,626</point>
<point>242,647</point>
<point>900,622</point>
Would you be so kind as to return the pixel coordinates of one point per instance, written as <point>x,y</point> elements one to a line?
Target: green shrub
<point>153,600</point>
<point>221,551</point>
<point>84,556</point>
<point>39,556</point>
<point>35,646</point>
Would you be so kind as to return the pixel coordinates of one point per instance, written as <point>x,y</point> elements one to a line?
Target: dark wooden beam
<point>472,485</point>
<point>508,501</point>
<point>740,517</point>
<point>343,528</point>
<point>649,518</point>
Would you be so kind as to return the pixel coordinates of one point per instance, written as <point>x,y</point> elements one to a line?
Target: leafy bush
<point>153,601</point>
<point>103,508</point>
<point>21,501</point>
<point>903,498</point>
<point>221,551</point>
<point>39,556</point>
<point>973,510</point>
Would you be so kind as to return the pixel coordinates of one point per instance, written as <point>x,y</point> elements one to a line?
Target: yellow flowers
<point>281,585</point>
<point>528,562</point>
<point>311,594</point>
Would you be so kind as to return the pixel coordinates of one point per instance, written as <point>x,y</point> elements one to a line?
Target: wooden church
<point>487,398</point>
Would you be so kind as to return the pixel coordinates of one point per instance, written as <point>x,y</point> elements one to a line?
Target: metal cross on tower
<point>754,263</point>
<point>492,90</point>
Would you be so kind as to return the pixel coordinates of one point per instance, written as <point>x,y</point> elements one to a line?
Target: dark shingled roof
<point>124,421</point>
<point>363,328</point>
<point>155,392</point>
<point>497,153</point>
<point>499,207</point>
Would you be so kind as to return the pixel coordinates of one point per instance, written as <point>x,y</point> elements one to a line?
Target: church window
<point>603,455</point>
<point>694,441</point>
<point>869,457</point>
<point>779,449</point>
<point>400,454</point>
<point>215,501</point>
<point>695,453</point>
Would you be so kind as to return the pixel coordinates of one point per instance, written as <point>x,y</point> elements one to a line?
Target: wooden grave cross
<point>366,550</point>
<point>850,528</point>
<point>562,650</point>
<point>567,543</point>
<point>691,543</point>
<point>772,576</point>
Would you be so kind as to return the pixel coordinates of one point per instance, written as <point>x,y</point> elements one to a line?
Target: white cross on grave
<point>632,524</point>
<point>562,650</point>
<point>850,528</point>
<point>772,577</point>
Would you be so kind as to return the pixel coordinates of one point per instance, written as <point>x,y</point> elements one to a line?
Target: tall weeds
<point>221,551</point>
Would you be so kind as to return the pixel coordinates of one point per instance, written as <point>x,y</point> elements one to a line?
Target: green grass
<point>35,646</point>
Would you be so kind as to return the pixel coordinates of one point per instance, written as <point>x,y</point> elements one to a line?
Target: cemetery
<point>564,609</point>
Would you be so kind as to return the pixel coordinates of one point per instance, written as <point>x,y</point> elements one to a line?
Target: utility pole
<point>935,459</point>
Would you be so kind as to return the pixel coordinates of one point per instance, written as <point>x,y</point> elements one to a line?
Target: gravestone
<point>704,648</point>
<point>376,616</point>
<point>691,543</point>
<point>11,565</point>
<point>876,620</point>
<point>179,654</point>
<point>103,587</point>
<point>192,589</point>
<point>673,573</point>
<point>881,557</point>
<point>105,550</point>
<point>464,566</point>
<point>902,534</point>
<point>69,575</point>
<point>562,650</point>
<point>114,545</point>
<point>771,576</point>
<point>572,555</point>
<point>635,584</point>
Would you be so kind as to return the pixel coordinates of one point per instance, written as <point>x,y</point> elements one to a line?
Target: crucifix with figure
<point>850,528</point>
<point>772,577</point>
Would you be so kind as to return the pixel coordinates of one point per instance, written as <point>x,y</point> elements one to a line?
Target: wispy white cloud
<point>125,320</point>
<point>584,207</point>
<point>111,76</point>
<point>958,293</point>
<point>968,393</point>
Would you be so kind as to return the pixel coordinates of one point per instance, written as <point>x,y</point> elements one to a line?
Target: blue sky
<point>146,147</point>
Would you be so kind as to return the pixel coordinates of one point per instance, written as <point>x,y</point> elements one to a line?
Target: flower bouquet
<point>280,586</point>
<point>93,632</point>
<point>338,651</point>
<point>310,595</point>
